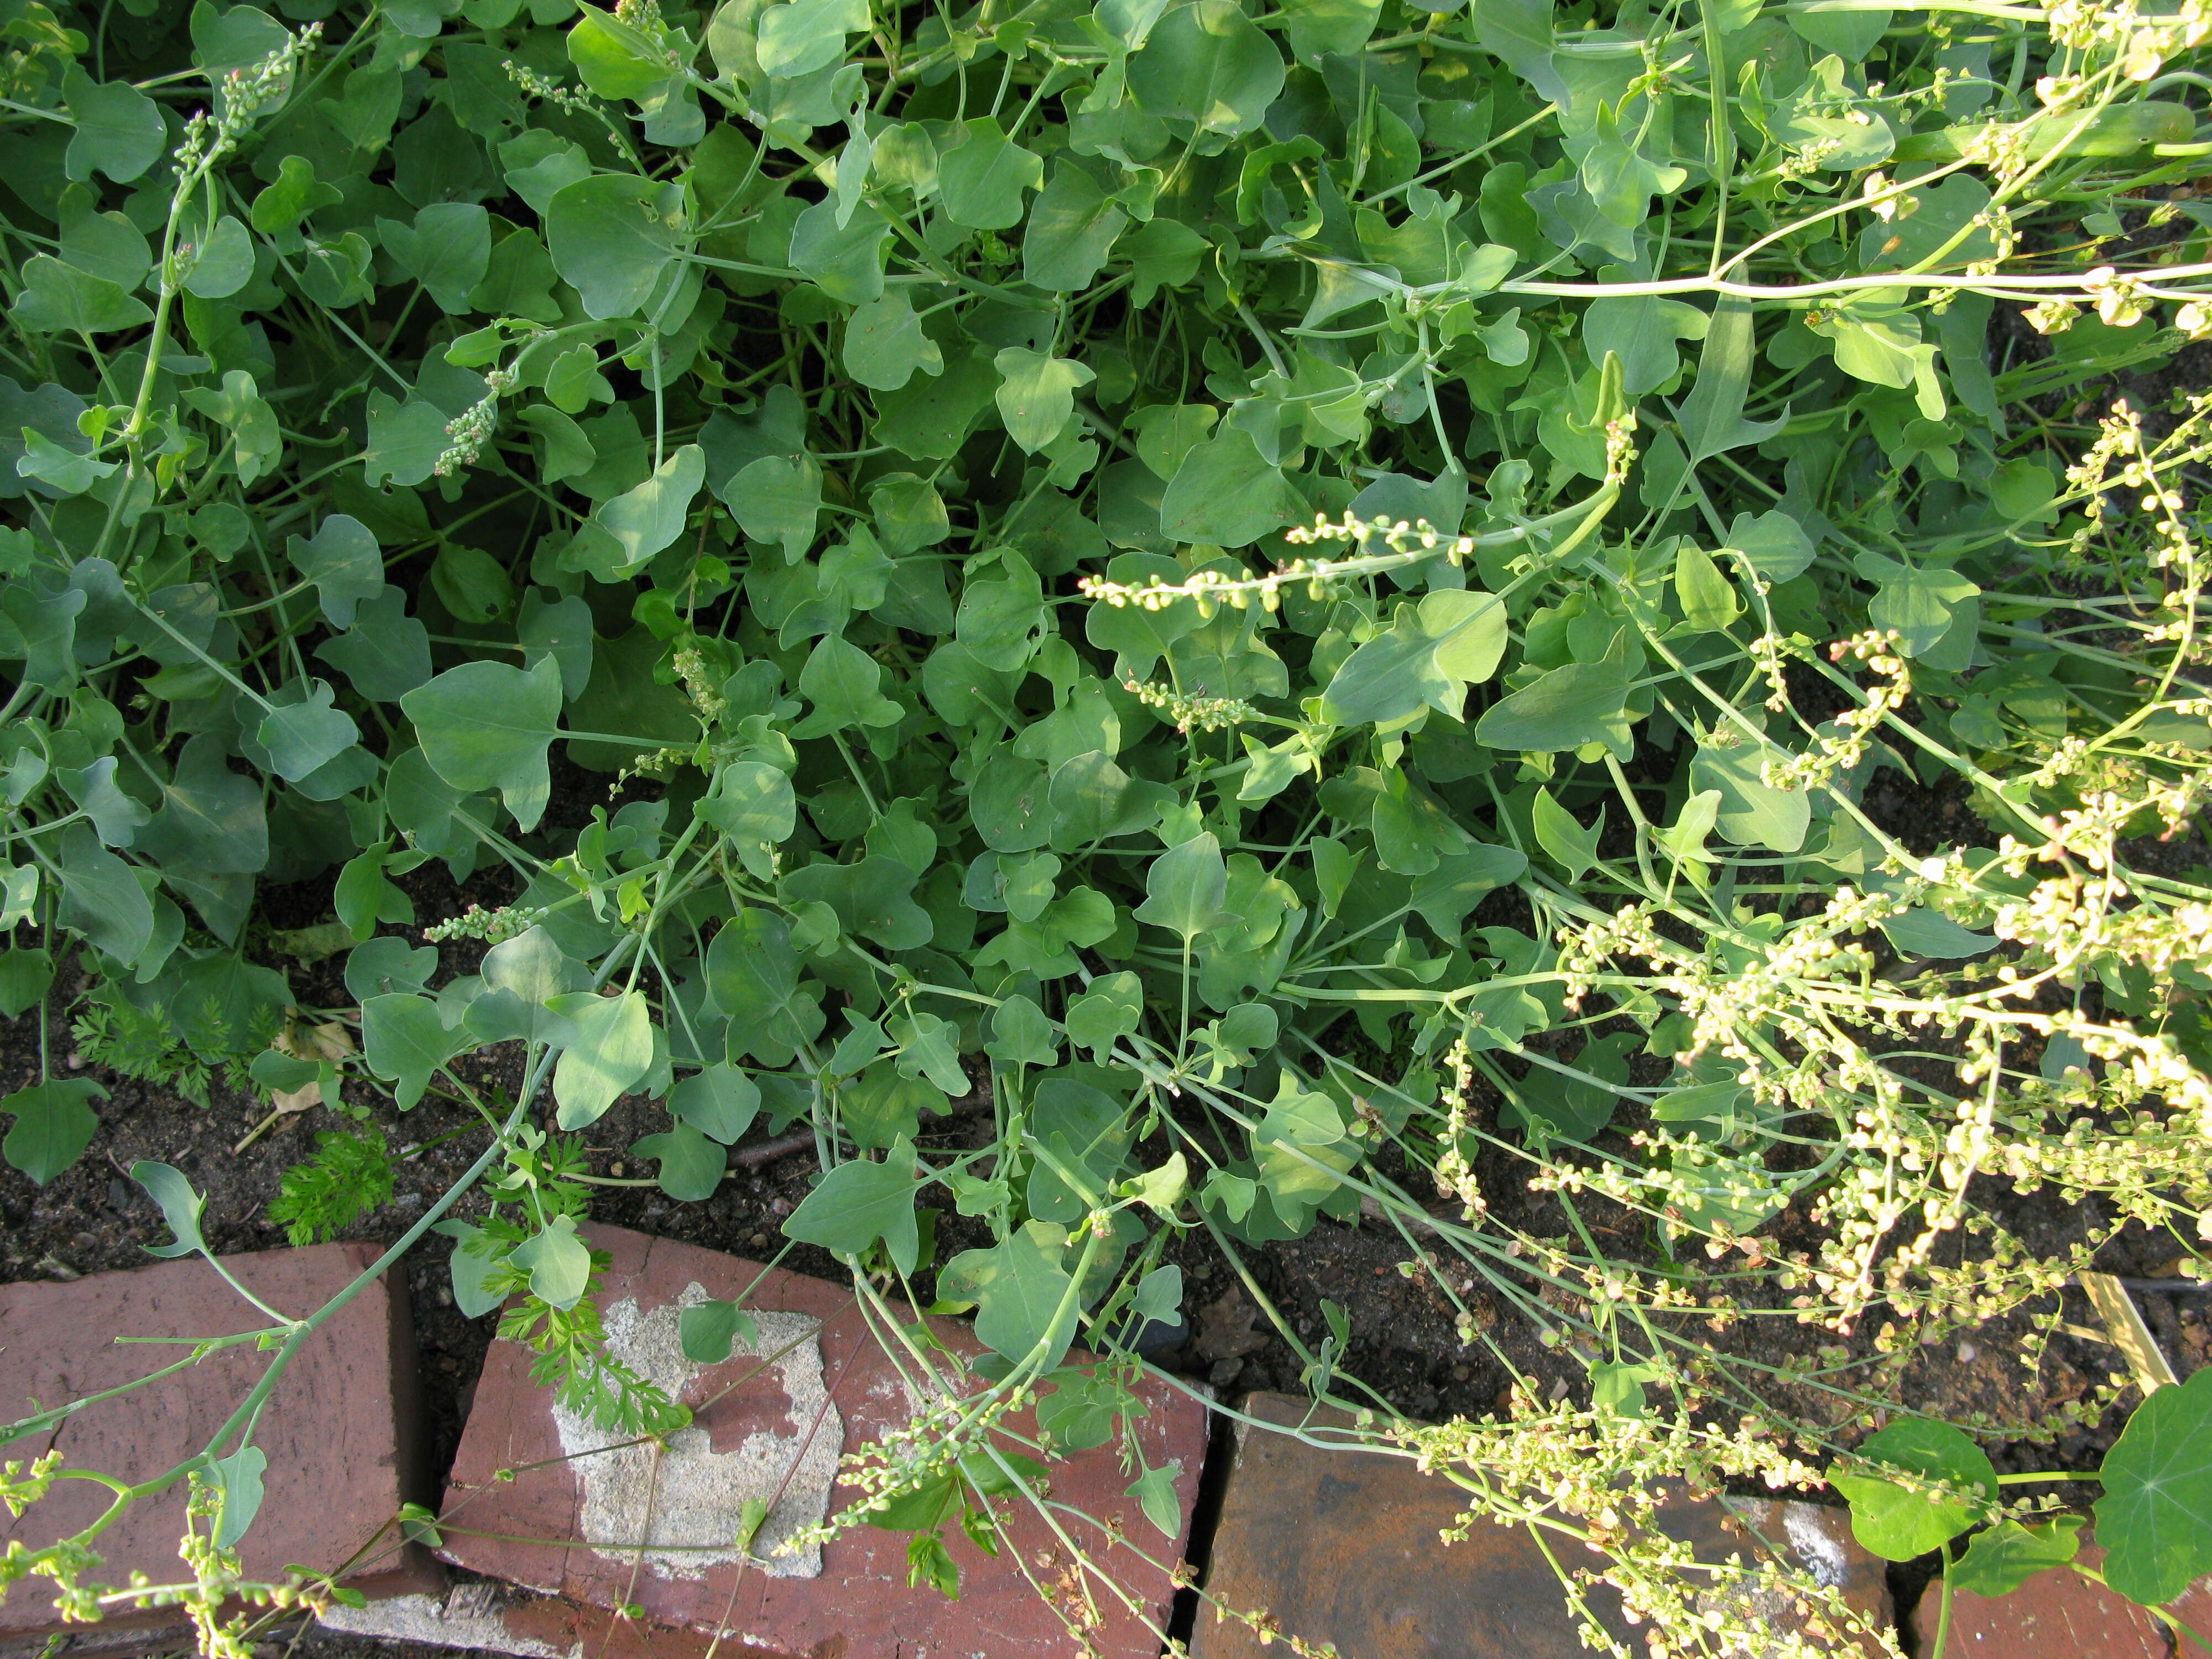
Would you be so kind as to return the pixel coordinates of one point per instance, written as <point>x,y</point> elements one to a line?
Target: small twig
<point>802,1140</point>
<point>256,1131</point>
<point>752,1157</point>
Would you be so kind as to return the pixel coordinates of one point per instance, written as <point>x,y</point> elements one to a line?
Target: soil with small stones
<point>1406,1348</point>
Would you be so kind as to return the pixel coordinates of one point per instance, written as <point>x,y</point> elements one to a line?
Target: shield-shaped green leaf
<point>558,1262</point>
<point>610,1050</point>
<point>1432,652</point>
<point>720,1102</point>
<point>710,1331</point>
<point>344,562</point>
<point>1185,887</point>
<point>59,298</point>
<point>486,725</point>
<point>303,735</point>
<point>611,236</point>
<point>405,1041</point>
<point>751,802</point>
<point>691,1165</point>
<point>1572,846</point>
<point>385,654</point>
<point>1565,708</point>
<point>778,498</point>
<point>861,1202</point>
<point>54,1123</point>
<point>647,519</point>
<point>805,35</point>
<point>448,249</point>
<point>1036,394</point>
<point>1071,229</point>
<point>983,179</point>
<point>1208,64</point>
<point>844,684</point>
<point>1923,932</point>
<point>1020,1289</point>
<point>120,130</point>
<point>884,346</point>
<point>1225,492</point>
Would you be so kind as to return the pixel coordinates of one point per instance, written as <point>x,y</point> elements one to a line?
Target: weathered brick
<point>2194,1609</point>
<point>339,1430</point>
<point>2056,1614</point>
<point>489,1617</point>
<point>1342,1546</point>
<point>571,1525</point>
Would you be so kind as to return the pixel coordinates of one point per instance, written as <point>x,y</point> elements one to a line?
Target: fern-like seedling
<point>140,1045</point>
<point>349,1175</point>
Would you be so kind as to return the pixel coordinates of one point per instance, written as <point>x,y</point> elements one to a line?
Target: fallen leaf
<point>1224,1329</point>
<point>312,944</point>
<point>330,1041</point>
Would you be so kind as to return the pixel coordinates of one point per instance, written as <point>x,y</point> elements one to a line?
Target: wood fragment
<point>2124,1322</point>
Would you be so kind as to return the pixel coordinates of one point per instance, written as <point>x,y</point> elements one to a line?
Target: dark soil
<point>1405,1349</point>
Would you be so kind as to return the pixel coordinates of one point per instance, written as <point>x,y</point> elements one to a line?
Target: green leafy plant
<point>1316,609</point>
<point>140,1045</point>
<point>349,1175</point>
<point>536,1254</point>
<point>1927,1483</point>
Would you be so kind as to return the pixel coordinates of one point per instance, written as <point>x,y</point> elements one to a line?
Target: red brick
<point>2056,1614</point>
<point>859,1604</point>
<point>1342,1546</point>
<point>494,1618</point>
<point>2194,1609</point>
<point>339,1429</point>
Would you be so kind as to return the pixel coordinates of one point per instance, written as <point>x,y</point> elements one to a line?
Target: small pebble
<point>1967,1353</point>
